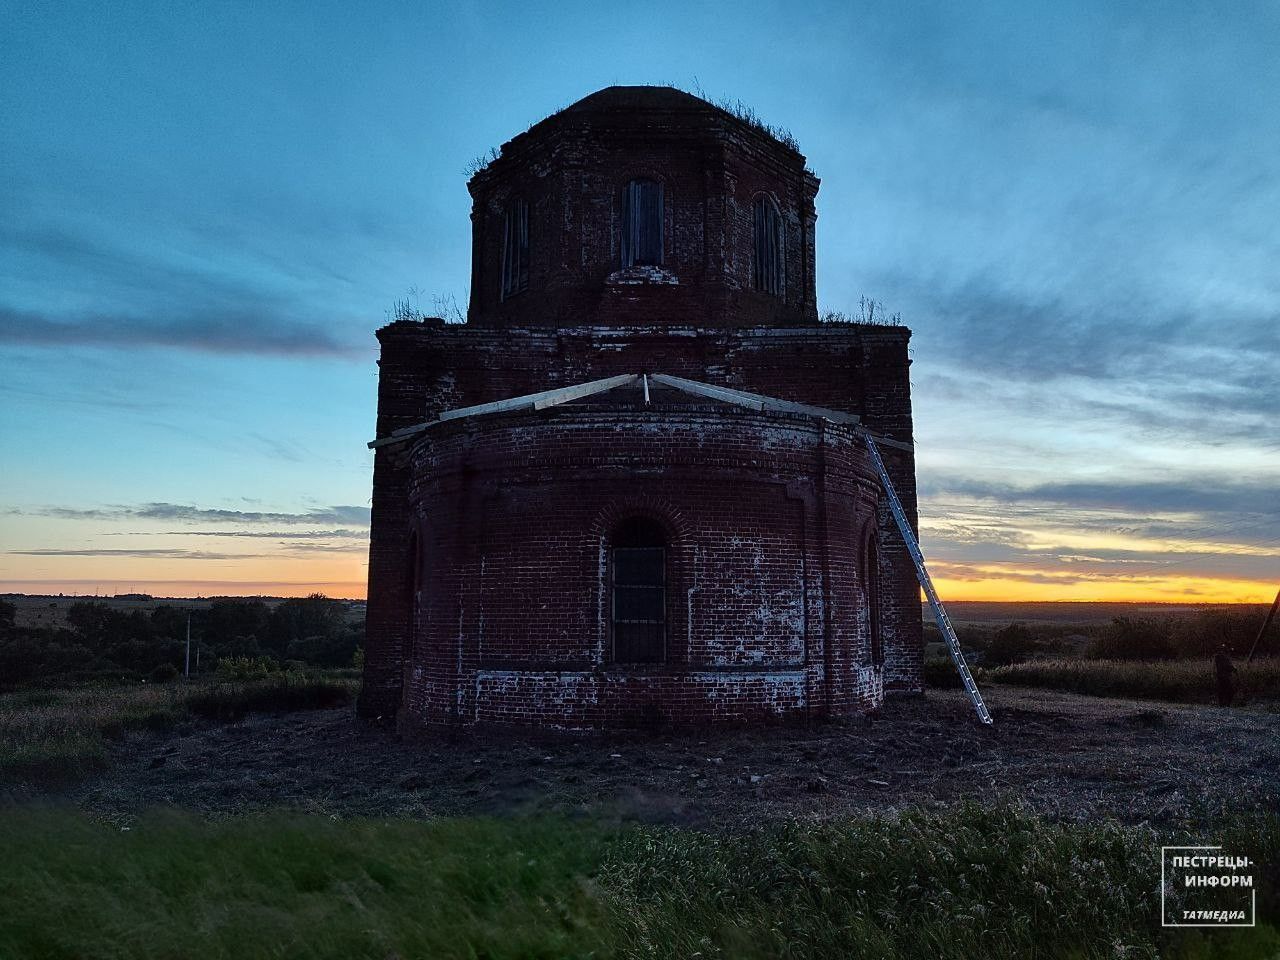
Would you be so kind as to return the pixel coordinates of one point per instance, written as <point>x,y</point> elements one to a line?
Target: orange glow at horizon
<point>338,573</point>
<point>188,589</point>
<point>953,582</point>
<point>339,569</point>
<point>987,584</point>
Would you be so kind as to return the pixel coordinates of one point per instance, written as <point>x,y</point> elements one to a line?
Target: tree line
<point>1185,637</point>
<point>102,642</point>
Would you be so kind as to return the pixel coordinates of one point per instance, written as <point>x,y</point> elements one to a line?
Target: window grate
<point>639,604</point>
<point>515,248</point>
<point>642,224</point>
<point>769,260</point>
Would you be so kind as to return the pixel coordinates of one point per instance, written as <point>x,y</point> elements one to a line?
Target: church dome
<point>642,204</point>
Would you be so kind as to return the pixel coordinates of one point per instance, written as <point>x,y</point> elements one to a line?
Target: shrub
<point>279,694</point>
<point>164,673</point>
<point>247,668</point>
<point>1133,638</point>
<point>1011,644</point>
<point>1178,681</point>
<point>940,673</point>
<point>1202,634</point>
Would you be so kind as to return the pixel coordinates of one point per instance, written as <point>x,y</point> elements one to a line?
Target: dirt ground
<point>1064,755</point>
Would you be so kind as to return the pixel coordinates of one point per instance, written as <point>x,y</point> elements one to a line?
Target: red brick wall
<point>515,514</point>
<point>430,367</point>
<point>572,170</point>
<point>583,318</point>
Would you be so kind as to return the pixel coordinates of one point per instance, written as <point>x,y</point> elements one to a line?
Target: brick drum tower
<point>630,488</point>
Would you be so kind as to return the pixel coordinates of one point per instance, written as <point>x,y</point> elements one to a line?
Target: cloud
<point>158,554</point>
<point>231,331</point>
<point>169,290</point>
<point>339,514</point>
<point>293,546</point>
<point>1140,498</point>
<point>273,534</point>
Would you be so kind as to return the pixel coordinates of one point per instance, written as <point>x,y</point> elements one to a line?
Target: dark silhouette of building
<point>629,489</point>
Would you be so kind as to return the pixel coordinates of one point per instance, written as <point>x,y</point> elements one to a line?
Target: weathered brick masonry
<point>490,571</point>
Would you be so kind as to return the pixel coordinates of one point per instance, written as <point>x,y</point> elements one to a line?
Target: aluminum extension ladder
<point>939,612</point>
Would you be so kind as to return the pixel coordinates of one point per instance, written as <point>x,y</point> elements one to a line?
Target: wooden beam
<point>753,401</point>
<point>551,398</point>
<point>531,401</point>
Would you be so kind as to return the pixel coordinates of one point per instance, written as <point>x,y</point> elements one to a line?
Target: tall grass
<point>48,736</point>
<point>969,883</point>
<point>1179,681</point>
<point>974,882</point>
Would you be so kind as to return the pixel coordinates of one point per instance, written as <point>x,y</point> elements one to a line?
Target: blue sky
<point>208,208</point>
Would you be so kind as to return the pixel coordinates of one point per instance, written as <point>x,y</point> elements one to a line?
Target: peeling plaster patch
<point>642,275</point>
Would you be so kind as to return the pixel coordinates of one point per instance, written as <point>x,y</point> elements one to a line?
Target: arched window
<point>412,587</point>
<point>639,588</point>
<point>768,263</point>
<point>642,224</point>
<point>515,247</point>
<point>871,566</point>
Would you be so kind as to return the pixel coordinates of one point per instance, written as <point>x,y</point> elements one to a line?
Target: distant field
<point>52,736</point>
<point>1177,681</point>
<point>33,610</point>
<point>981,612</point>
<point>51,611</point>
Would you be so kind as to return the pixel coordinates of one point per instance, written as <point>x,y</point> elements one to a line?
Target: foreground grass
<point>47,736</point>
<point>971,883</point>
<point>1178,681</point>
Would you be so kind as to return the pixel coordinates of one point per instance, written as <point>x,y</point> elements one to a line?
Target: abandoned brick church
<point>629,488</point>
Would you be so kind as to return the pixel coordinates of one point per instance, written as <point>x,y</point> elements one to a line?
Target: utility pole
<point>186,668</point>
<point>1271,615</point>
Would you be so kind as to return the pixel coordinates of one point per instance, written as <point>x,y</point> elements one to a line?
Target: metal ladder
<point>939,612</point>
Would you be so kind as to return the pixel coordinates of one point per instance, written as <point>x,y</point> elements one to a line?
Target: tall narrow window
<point>413,588</point>
<point>642,224</point>
<point>871,564</point>
<point>639,565</point>
<point>769,261</point>
<point>515,248</point>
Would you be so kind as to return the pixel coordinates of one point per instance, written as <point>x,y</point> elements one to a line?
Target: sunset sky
<point>207,209</point>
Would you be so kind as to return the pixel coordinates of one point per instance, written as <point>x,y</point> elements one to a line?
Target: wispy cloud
<point>1140,498</point>
<point>156,554</point>
<point>338,514</point>
<point>274,534</point>
<point>226,331</point>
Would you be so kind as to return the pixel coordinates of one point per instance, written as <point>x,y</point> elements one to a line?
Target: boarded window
<point>769,261</point>
<point>515,248</point>
<point>413,588</point>
<point>639,563</point>
<point>642,224</point>
<point>871,567</point>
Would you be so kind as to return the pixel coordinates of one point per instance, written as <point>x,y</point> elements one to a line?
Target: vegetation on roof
<point>747,114</point>
<point>444,306</point>
<point>870,312</point>
<point>740,111</point>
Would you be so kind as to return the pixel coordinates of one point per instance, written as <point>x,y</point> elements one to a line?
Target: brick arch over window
<point>624,525</point>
